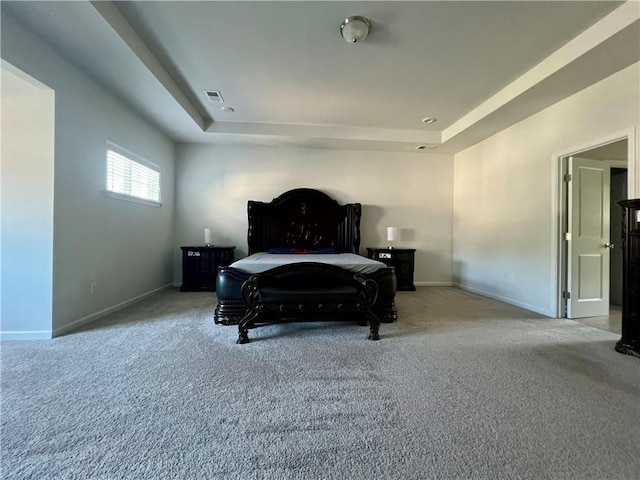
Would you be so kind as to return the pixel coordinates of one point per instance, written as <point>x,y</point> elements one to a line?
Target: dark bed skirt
<point>231,308</point>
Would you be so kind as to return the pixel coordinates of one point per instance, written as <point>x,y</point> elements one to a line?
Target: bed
<point>306,241</point>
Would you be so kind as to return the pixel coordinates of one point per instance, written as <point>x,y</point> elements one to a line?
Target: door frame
<point>558,210</point>
<point>606,165</point>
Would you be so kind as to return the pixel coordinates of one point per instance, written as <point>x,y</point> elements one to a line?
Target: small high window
<point>131,177</point>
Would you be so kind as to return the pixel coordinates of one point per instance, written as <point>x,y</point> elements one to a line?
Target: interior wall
<point>504,215</point>
<point>26,200</point>
<point>413,192</point>
<point>123,248</point>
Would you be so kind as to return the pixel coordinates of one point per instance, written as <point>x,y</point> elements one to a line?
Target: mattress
<point>263,261</point>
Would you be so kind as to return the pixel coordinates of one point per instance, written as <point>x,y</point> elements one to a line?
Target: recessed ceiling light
<point>426,147</point>
<point>226,109</point>
<point>429,120</point>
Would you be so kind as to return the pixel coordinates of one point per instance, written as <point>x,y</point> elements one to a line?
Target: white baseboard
<point>510,301</point>
<point>32,335</point>
<point>433,284</point>
<point>95,316</point>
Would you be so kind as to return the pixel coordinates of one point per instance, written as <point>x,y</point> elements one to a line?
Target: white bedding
<point>262,261</point>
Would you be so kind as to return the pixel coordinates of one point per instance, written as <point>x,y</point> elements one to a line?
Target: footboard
<point>311,291</point>
<point>231,307</point>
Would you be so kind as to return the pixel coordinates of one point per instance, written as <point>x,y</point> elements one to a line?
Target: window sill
<point>129,198</point>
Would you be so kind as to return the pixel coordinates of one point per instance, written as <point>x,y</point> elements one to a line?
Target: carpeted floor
<point>460,387</point>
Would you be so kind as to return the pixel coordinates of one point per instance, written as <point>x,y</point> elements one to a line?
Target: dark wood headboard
<point>303,218</point>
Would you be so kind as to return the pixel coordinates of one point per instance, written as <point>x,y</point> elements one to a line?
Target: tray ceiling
<point>291,79</point>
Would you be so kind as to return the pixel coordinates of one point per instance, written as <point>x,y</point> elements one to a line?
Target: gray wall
<point>505,194</point>
<point>411,191</point>
<point>124,248</point>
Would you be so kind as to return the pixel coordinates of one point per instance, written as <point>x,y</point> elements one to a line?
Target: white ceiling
<point>292,80</point>
<point>617,151</point>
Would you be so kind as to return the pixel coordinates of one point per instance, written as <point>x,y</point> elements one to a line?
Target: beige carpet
<point>460,387</point>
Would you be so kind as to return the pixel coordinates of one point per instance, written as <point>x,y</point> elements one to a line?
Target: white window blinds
<point>126,176</point>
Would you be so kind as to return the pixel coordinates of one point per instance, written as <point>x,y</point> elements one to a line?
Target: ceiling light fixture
<point>429,120</point>
<point>355,29</point>
<point>226,109</point>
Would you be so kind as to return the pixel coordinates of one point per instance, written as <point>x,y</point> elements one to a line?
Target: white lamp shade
<point>207,236</point>
<point>355,29</point>
<point>392,233</point>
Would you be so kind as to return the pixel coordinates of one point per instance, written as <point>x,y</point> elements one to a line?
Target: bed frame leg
<point>250,297</point>
<point>243,337</point>
<point>374,324</point>
<point>374,328</point>
<point>243,328</point>
<point>246,323</point>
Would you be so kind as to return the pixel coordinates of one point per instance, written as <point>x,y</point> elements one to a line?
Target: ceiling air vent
<point>214,96</point>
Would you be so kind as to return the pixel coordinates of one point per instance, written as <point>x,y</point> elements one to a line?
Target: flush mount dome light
<point>355,29</point>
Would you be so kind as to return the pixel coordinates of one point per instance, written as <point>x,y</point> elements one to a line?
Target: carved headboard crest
<point>303,218</point>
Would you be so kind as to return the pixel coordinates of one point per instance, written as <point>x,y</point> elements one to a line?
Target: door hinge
<point>567,177</point>
<point>566,295</point>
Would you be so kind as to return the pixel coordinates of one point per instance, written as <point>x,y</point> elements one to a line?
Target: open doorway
<point>593,181</point>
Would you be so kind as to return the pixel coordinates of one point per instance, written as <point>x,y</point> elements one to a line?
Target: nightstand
<point>402,259</point>
<point>200,267</point>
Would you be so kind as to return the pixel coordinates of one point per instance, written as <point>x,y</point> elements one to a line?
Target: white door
<point>589,246</point>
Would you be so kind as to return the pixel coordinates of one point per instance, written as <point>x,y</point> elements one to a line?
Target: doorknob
<point>609,245</point>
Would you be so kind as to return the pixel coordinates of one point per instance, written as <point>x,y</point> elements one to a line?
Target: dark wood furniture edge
<point>629,343</point>
<point>231,309</point>
<point>339,293</point>
<point>628,348</point>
